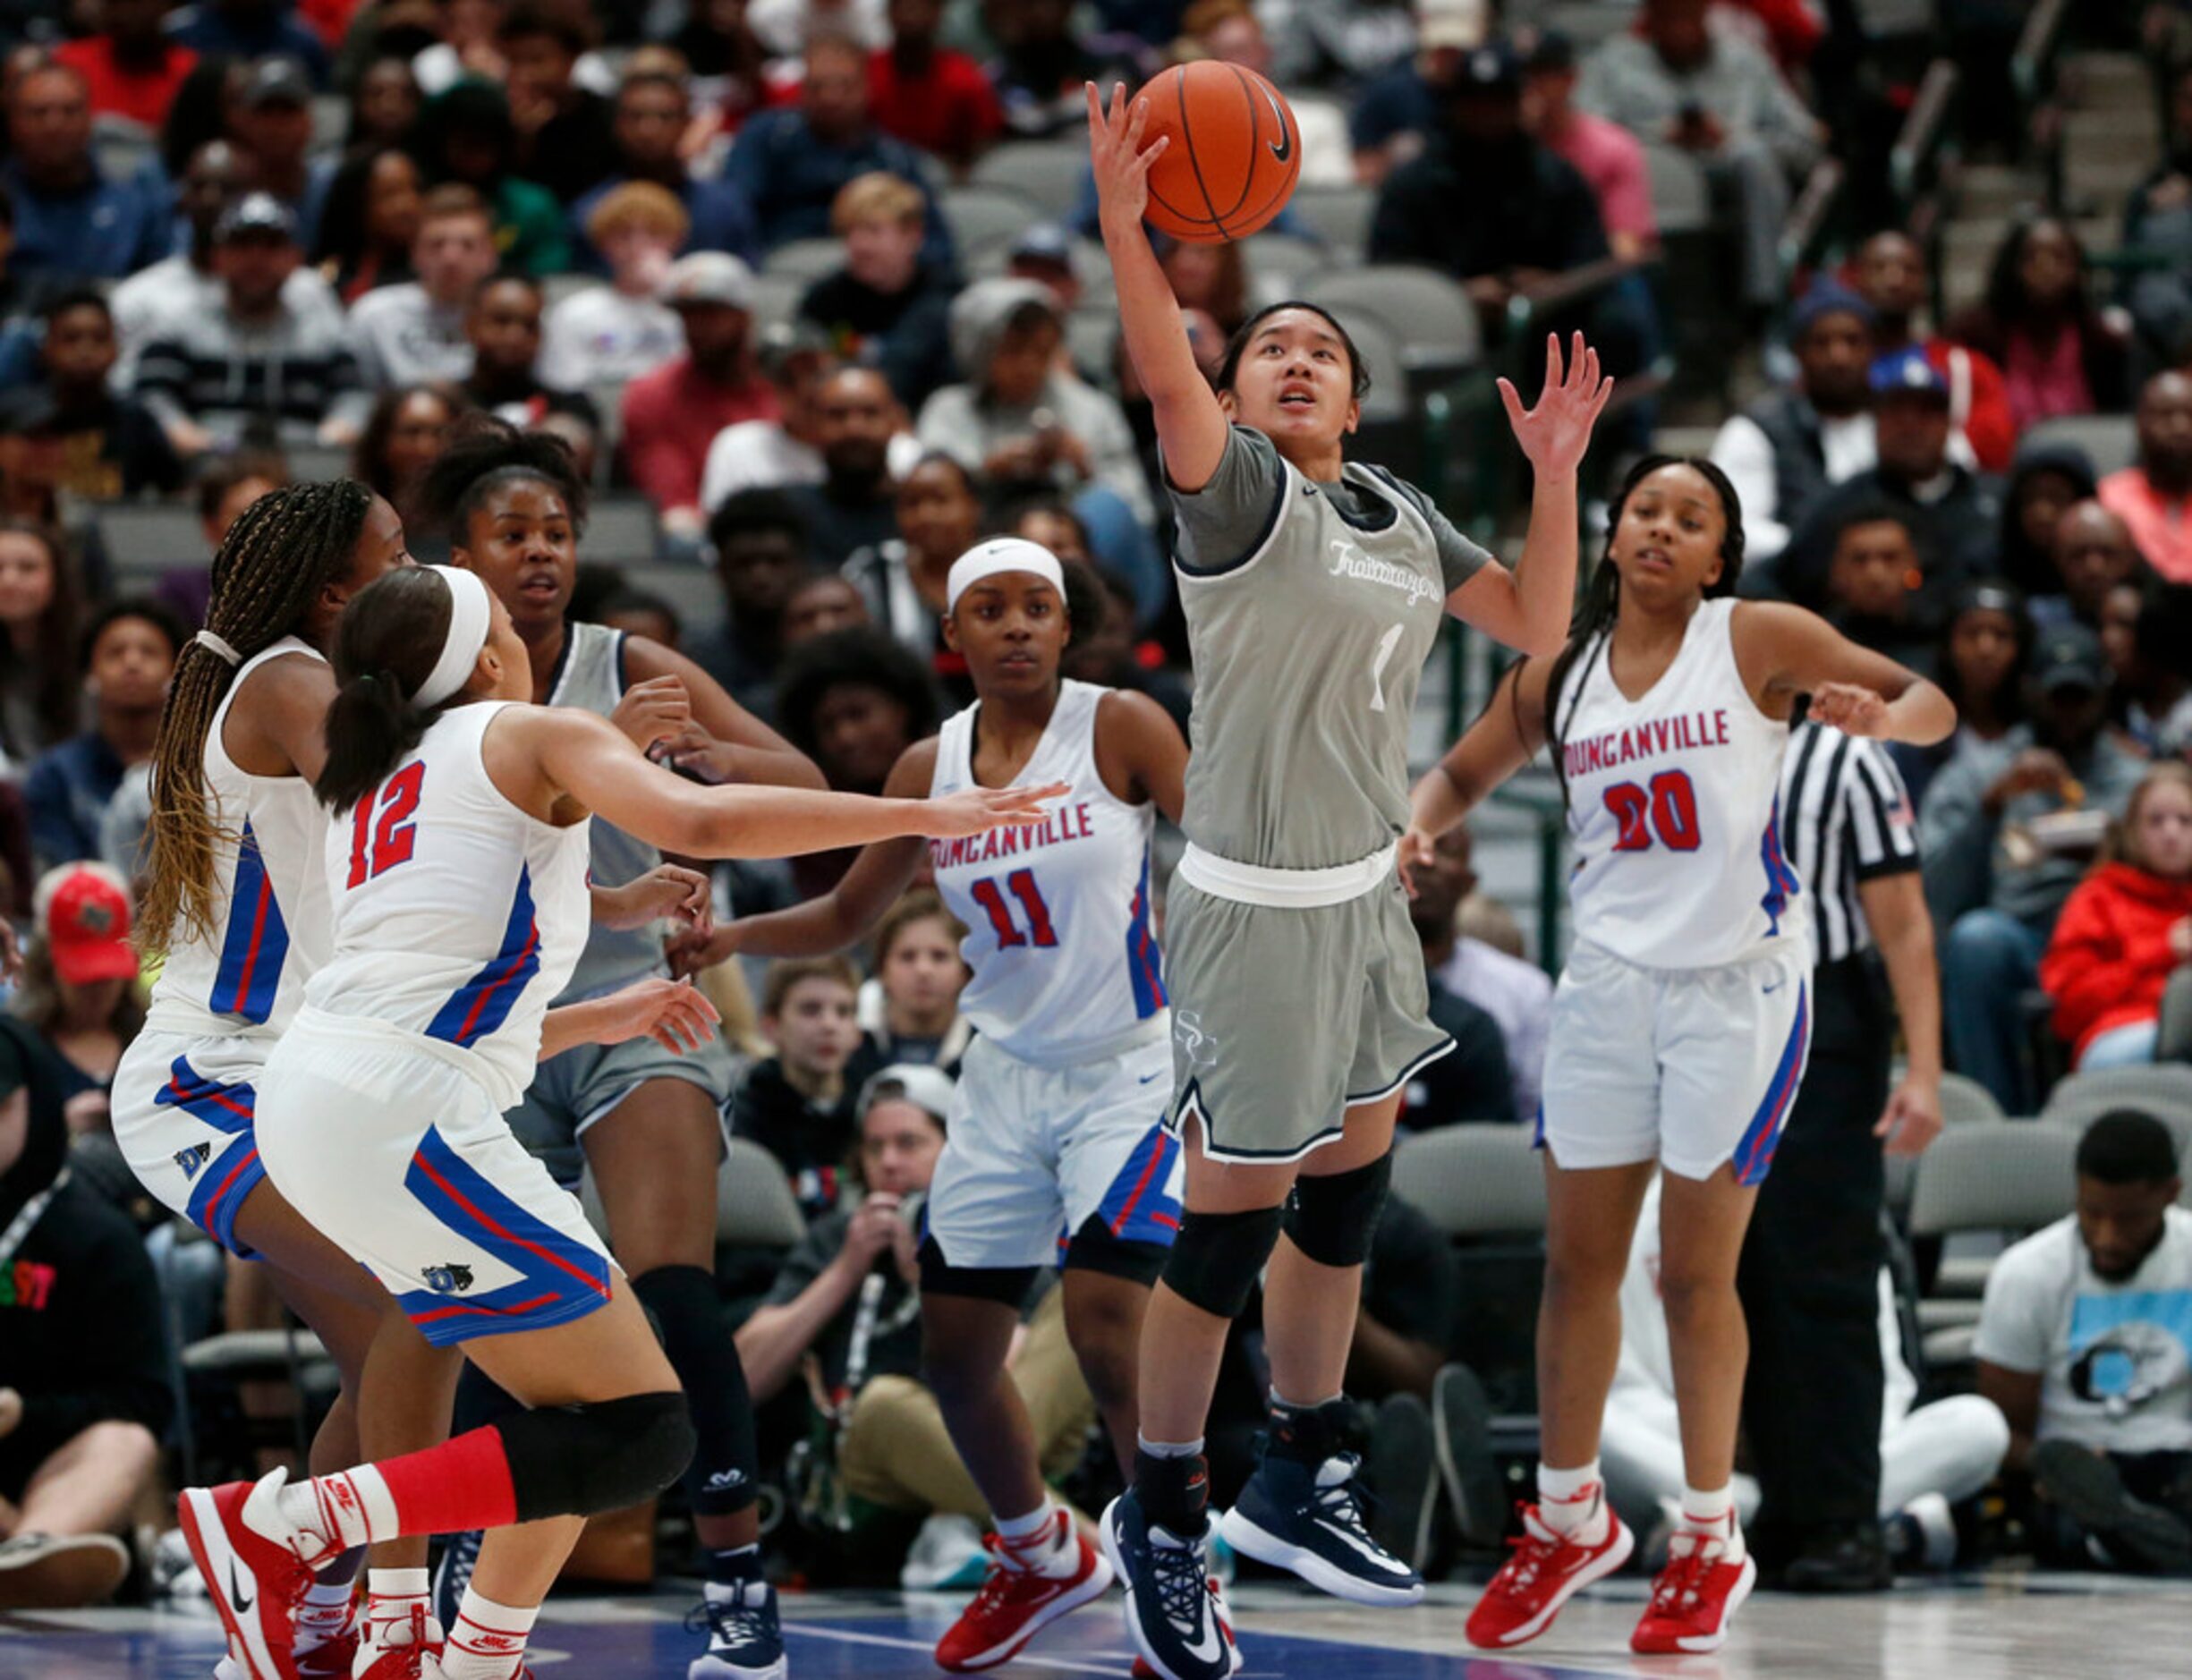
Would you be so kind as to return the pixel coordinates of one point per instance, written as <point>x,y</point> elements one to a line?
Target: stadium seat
<point>1473,1180</point>
<point>2110,440</point>
<point>754,1204</point>
<point>1587,22</point>
<point>317,465</point>
<point>1281,265</point>
<point>1091,336</point>
<point>775,299</point>
<point>2163,1091</point>
<point>985,219</point>
<point>1340,216</point>
<point>1050,175</point>
<point>691,591</point>
<point>1965,1101</point>
<point>142,539</point>
<point>2014,1178</point>
<point>807,259</point>
<point>621,532</point>
<point>1427,312</point>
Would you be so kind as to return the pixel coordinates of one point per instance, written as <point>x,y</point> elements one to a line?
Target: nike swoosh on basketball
<point>236,1595</point>
<point>1282,149</point>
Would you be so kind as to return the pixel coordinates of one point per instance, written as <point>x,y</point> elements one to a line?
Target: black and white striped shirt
<point>1844,819</point>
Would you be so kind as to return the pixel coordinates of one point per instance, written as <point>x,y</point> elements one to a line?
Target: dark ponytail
<point>385,647</point>
<point>1601,604</point>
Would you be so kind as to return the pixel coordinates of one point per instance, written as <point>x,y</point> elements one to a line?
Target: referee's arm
<point>1895,911</point>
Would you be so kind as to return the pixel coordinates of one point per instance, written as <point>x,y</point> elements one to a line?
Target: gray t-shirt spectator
<point>402,336</point>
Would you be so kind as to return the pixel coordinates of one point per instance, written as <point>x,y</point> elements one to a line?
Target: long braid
<point>279,554</point>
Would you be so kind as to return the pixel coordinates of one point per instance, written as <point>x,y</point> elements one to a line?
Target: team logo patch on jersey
<point>190,1159</point>
<point>448,1280</point>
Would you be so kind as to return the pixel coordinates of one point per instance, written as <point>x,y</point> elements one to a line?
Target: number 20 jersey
<point>1059,934</point>
<point>1674,809</point>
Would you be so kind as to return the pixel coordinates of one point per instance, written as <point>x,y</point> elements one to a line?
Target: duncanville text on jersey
<point>1643,741</point>
<point>1067,822</point>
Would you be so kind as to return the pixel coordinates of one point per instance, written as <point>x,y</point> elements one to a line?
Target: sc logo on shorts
<point>1200,1048</point>
<point>447,1280</point>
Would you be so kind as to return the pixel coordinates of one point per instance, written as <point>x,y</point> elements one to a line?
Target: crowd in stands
<point>711,244</point>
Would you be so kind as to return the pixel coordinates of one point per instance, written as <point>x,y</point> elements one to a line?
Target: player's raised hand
<point>1853,709</point>
<point>979,810</point>
<point>1122,165</point>
<point>654,710</point>
<point>1555,433</point>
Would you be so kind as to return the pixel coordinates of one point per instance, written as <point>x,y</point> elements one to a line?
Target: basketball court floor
<point>1996,1626</point>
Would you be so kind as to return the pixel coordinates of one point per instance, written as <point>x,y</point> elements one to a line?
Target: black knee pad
<point>1333,1219</point>
<point>576,1461</point>
<point>1217,1258</point>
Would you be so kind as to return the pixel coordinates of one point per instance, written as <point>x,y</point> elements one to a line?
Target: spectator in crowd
<point>503,326</point>
<point>613,332</point>
<point>726,59</point>
<point>2007,829</point>
<point>790,165</point>
<point>757,454</point>
<point>2126,930</point>
<point>370,222</point>
<point>128,652</point>
<point>2057,354</point>
<point>2154,496</point>
<point>1606,155</point>
<point>1516,994</point>
<point>251,29</point>
<point>1485,202</point>
<point>272,123</point>
<point>1476,1080</point>
<point>566,134</point>
<point>798,1103</point>
<point>1955,513</point>
<point>1785,451</point>
<point>1351,40</point>
<point>1211,280</point>
<point>902,579</point>
<point>1871,585</point>
<point>1889,272</point>
<point>1678,81</point>
<point>2147,633</point>
<point>41,692</point>
<point>824,604</point>
<point>403,438</point>
<point>254,359</point>
<point>132,66</point>
<point>383,107</point>
<point>2158,220</point>
<point>1017,419</point>
<point>933,98</point>
<point>1980,663</point>
<point>647,130</point>
<point>2045,481</point>
<point>85,1396</point>
<point>1402,107</point>
<point>228,485</point>
<point>638,613</point>
<point>71,225</point>
<point>761,547</point>
<point>853,507</point>
<point>909,1008</point>
<point>462,43</point>
<point>673,414</point>
<point>2078,1346</point>
<point>2093,555</point>
<point>201,112</point>
<point>1230,32</point>
<point>1041,66</point>
<point>415,331</point>
<point>79,991</point>
<point>853,701</point>
<point>885,307</point>
<point>1044,253</point>
<point>467,135</point>
<point>73,434</point>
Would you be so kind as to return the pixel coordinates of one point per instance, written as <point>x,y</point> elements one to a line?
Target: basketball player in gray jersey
<point>648,1126</point>
<point>1313,590</point>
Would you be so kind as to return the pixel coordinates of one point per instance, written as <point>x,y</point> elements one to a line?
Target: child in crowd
<point>798,1103</point>
<point>910,1011</point>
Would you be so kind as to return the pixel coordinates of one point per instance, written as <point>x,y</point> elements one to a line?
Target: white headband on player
<point>470,617</point>
<point>1002,554</point>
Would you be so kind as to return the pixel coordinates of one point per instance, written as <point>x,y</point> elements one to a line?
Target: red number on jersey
<point>382,845</point>
<point>1669,810</point>
<point>1021,884</point>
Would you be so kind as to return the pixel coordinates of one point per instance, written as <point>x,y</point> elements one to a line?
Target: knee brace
<point>1217,1258</point>
<point>1332,1220</point>
<point>576,1461</point>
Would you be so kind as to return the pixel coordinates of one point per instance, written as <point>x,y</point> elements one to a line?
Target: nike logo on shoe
<point>236,1594</point>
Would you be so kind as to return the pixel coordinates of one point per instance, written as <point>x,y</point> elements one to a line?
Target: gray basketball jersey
<point>1308,622</point>
<point>591,676</point>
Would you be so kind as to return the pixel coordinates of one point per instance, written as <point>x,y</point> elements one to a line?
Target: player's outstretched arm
<point>1506,736</point>
<point>1190,425</point>
<point>671,1012</point>
<point>1784,651</point>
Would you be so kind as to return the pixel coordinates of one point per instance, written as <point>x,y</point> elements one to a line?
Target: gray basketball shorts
<point>569,1092</point>
<point>1283,1019</point>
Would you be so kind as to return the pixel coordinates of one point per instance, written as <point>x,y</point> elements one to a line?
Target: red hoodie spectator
<point>2129,926</point>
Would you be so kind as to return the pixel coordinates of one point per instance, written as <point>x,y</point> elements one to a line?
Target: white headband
<point>1002,554</point>
<point>469,616</point>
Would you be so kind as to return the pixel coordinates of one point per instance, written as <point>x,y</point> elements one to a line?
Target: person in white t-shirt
<point>761,454</point>
<point>610,335</point>
<point>2084,1343</point>
<point>414,332</point>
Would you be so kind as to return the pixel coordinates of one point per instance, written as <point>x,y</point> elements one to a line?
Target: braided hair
<point>1601,604</point>
<point>279,554</point>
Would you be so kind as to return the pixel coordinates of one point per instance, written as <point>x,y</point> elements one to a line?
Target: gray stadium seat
<point>1587,22</point>
<point>1964,1101</point>
<point>2164,1091</point>
<point>775,299</point>
<point>621,532</point>
<point>2015,1177</point>
<point>1339,216</point>
<point>1048,174</point>
<point>1473,1180</point>
<point>1428,312</point>
<point>754,1204</point>
<point>1281,265</point>
<point>983,219</point>
<point>317,465</point>
<point>143,539</point>
<point>1091,335</point>
<point>1380,348</point>
<point>804,258</point>
<point>2110,440</point>
<point>691,591</point>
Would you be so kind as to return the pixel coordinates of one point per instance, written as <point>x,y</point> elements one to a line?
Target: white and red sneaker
<point>1696,1597</point>
<point>1544,1572</point>
<point>1222,1613</point>
<point>377,1659</point>
<point>241,1545</point>
<point>1018,1601</point>
<point>333,1661</point>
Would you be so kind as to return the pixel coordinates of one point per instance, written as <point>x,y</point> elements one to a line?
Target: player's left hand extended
<point>1912,1119</point>
<point>979,810</point>
<point>1555,433</point>
<point>1853,709</point>
<point>654,710</point>
<point>671,1012</point>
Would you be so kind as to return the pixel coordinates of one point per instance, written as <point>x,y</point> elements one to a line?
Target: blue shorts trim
<point>219,1183</point>
<point>1754,1156</point>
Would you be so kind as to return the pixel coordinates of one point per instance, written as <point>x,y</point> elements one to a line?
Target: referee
<point>1809,1278</point>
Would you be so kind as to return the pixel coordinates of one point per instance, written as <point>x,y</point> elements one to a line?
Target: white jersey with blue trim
<point>270,928</point>
<point>1674,809</point>
<point>1059,935</point>
<point>457,916</point>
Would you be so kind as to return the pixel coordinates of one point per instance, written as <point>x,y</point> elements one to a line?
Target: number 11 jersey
<point>1059,933</point>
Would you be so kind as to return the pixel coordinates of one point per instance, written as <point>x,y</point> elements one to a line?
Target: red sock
<point>461,1484</point>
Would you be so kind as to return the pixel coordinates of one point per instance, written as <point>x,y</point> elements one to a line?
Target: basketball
<point>1234,156</point>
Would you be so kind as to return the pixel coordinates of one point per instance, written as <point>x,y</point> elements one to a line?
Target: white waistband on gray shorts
<point>1285,890</point>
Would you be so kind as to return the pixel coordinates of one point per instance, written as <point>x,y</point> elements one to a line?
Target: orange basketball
<point>1234,156</point>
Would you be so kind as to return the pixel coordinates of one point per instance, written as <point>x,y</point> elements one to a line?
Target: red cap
<point>83,915</point>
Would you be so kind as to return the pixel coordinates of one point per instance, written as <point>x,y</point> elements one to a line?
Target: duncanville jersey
<point>1674,808</point>
<point>457,916</point>
<point>270,928</point>
<point>1310,609</point>
<point>1065,960</point>
<point>591,675</point>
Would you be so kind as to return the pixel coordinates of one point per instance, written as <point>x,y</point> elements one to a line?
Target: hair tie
<point>221,650</point>
<point>471,617</point>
